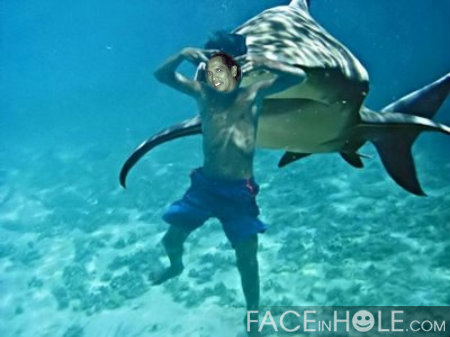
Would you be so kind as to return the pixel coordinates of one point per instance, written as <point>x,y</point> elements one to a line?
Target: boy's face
<point>220,77</point>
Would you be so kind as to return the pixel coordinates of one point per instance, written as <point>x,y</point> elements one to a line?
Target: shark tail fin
<point>407,117</point>
<point>424,102</point>
<point>189,127</point>
<point>396,156</point>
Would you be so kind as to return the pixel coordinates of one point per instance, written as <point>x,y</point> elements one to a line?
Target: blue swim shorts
<point>231,201</point>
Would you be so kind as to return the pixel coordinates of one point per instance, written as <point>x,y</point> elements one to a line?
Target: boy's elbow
<point>160,75</point>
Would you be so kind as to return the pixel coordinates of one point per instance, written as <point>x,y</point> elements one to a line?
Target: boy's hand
<point>196,55</point>
<point>255,63</point>
<point>261,63</point>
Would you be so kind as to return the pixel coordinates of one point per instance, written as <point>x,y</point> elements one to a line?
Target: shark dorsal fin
<point>302,4</point>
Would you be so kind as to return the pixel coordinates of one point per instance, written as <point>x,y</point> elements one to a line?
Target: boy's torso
<point>229,123</point>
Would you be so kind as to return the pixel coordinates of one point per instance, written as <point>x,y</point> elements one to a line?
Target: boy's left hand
<point>197,55</point>
<point>260,63</point>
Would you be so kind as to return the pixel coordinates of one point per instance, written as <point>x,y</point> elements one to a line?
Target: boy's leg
<point>173,244</point>
<point>183,216</point>
<point>247,263</point>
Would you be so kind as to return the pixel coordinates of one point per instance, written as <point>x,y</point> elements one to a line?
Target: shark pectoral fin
<point>290,157</point>
<point>353,159</point>
<point>395,153</point>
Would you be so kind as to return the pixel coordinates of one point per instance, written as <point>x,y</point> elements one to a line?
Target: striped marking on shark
<point>325,113</point>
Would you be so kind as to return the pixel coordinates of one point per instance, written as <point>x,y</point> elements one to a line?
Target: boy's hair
<point>230,43</point>
<point>229,62</point>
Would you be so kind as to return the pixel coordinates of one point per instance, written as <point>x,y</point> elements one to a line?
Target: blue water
<point>78,95</point>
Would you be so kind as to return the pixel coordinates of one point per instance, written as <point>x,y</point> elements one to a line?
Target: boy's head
<point>223,72</point>
<point>231,45</point>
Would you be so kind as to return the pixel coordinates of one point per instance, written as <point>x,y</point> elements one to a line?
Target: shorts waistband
<point>199,173</point>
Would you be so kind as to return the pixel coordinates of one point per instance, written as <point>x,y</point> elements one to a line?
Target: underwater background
<point>76,250</point>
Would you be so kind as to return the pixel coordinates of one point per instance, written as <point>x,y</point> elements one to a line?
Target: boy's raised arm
<point>167,73</point>
<point>285,77</point>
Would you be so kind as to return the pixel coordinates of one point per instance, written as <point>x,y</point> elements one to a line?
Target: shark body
<point>325,113</point>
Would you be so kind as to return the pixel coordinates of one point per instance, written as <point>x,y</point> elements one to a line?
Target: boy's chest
<point>238,113</point>
<point>230,129</point>
<point>241,121</point>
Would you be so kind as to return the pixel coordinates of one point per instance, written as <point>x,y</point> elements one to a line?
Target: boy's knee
<point>246,253</point>
<point>166,240</point>
<point>247,246</point>
<point>175,236</point>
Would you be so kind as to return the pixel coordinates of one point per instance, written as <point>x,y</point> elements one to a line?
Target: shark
<point>324,113</point>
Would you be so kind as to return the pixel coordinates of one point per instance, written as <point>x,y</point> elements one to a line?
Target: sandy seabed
<point>77,251</point>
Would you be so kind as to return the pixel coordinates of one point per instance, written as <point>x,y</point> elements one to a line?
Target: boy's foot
<point>167,274</point>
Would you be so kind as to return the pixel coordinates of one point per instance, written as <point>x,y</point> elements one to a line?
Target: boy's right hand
<point>194,55</point>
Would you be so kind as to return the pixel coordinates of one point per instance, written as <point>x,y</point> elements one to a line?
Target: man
<point>224,186</point>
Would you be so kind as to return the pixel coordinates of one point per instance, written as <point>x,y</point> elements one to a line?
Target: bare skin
<point>229,115</point>
<point>229,118</point>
